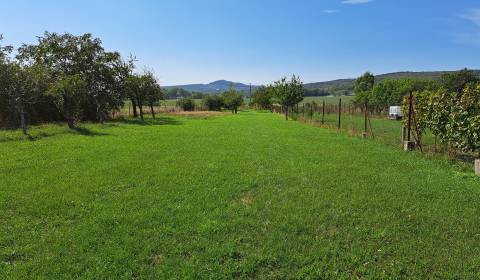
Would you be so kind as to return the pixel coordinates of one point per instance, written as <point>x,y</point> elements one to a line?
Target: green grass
<point>247,195</point>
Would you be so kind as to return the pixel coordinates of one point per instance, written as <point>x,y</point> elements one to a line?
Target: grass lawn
<point>247,195</point>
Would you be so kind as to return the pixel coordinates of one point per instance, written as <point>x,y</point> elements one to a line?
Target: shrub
<point>213,102</point>
<point>186,104</point>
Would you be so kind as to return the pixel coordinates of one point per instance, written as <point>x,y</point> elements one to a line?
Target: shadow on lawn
<point>38,135</point>
<point>86,132</point>
<point>81,130</point>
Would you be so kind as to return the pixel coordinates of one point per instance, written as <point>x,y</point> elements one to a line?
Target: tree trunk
<point>140,105</point>
<point>236,110</point>
<point>153,112</point>
<point>100,116</point>
<point>70,122</point>
<point>23,125</point>
<point>134,106</point>
<point>286,113</point>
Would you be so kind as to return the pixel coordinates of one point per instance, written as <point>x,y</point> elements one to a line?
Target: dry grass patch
<point>157,259</point>
<point>248,200</point>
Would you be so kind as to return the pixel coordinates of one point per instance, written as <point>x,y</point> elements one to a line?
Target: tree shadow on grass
<point>86,132</point>
<point>148,122</point>
<point>38,135</point>
<point>80,130</point>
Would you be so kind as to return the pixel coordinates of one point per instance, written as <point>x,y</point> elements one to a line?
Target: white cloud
<point>356,2</point>
<point>330,11</point>
<point>472,15</point>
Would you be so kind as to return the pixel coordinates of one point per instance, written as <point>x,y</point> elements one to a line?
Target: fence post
<point>365,131</point>
<point>323,112</point>
<point>339,113</point>
<point>409,145</point>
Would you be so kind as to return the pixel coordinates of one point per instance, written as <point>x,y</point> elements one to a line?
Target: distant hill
<point>215,87</point>
<point>346,86</point>
<point>335,87</point>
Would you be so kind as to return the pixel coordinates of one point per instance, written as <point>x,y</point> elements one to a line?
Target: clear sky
<point>259,41</point>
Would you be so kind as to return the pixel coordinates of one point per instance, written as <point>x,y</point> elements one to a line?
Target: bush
<point>213,102</point>
<point>186,104</point>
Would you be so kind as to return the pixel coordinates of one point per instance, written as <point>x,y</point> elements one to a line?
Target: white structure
<point>395,113</point>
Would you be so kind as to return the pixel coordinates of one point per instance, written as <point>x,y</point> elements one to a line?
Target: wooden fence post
<point>409,145</point>
<point>323,112</point>
<point>339,113</point>
<point>365,131</point>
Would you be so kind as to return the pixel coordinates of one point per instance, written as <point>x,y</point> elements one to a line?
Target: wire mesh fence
<point>357,121</point>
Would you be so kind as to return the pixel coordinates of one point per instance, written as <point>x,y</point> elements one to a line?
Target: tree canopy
<point>288,92</point>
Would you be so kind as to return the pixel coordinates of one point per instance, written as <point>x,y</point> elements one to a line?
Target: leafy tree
<point>68,55</point>
<point>288,93</point>
<point>69,92</point>
<point>263,97</point>
<point>232,99</point>
<point>153,91</point>
<point>391,92</point>
<point>457,81</point>
<point>213,102</point>
<point>187,104</point>
<point>363,88</point>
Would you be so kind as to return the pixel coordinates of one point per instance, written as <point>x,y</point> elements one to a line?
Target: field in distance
<point>247,195</point>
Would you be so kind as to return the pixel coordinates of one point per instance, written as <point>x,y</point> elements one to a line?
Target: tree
<point>457,81</point>
<point>232,99</point>
<point>363,88</point>
<point>152,91</point>
<point>134,87</point>
<point>288,93</point>
<point>68,55</point>
<point>69,92</point>
<point>392,92</point>
<point>263,97</point>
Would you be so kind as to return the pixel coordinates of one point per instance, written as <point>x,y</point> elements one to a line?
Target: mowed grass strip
<point>247,195</point>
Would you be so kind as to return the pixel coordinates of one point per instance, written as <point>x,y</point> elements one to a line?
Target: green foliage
<point>363,88</point>
<point>463,128</point>
<point>392,92</point>
<point>187,104</point>
<point>54,65</point>
<point>457,81</point>
<point>232,99</point>
<point>288,93</point>
<point>263,96</point>
<point>69,92</point>
<point>454,117</point>
<point>213,102</point>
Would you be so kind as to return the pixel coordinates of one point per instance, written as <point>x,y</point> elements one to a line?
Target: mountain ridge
<point>334,87</point>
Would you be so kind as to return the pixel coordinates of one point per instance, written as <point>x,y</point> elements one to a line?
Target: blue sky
<point>259,41</point>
